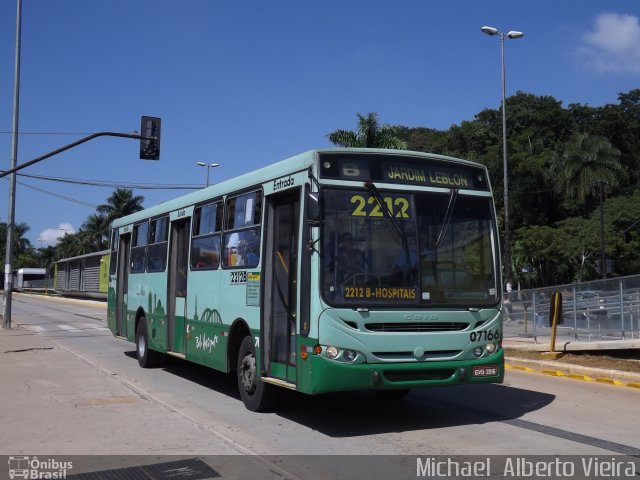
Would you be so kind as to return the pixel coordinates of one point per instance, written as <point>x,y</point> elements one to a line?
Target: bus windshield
<point>406,249</point>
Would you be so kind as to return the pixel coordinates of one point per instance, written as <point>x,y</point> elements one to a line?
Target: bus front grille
<point>410,356</point>
<point>416,327</point>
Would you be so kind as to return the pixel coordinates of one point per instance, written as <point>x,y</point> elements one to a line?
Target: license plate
<point>485,371</point>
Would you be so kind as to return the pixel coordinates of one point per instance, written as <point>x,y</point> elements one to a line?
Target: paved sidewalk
<point>54,402</point>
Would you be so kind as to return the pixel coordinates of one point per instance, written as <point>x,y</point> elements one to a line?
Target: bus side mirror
<point>314,208</point>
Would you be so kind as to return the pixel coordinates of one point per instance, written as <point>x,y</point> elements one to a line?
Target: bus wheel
<point>257,396</point>
<point>146,358</point>
<point>391,395</point>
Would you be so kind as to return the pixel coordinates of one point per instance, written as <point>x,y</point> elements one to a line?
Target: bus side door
<point>280,288</point>
<point>177,285</point>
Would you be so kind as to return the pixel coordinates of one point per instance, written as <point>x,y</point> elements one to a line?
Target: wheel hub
<point>248,373</point>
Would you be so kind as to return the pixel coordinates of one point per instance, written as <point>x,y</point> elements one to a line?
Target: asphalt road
<point>86,394</point>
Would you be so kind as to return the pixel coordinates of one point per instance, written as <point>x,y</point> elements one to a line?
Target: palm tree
<point>21,244</point>
<point>586,160</point>
<point>72,245</point>
<point>96,229</point>
<point>369,134</point>
<point>121,202</point>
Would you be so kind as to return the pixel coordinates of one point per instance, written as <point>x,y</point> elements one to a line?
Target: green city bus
<point>333,270</point>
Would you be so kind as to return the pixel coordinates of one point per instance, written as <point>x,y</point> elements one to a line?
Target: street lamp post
<point>491,31</point>
<point>209,166</point>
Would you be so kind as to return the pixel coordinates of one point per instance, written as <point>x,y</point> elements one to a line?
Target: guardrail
<point>591,311</point>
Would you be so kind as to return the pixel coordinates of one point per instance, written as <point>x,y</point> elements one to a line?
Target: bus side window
<point>242,239</point>
<point>205,244</point>
<point>139,248</point>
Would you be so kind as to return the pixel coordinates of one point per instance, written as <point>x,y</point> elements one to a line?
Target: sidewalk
<point>54,402</point>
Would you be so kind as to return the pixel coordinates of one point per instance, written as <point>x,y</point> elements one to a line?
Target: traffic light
<point>150,144</point>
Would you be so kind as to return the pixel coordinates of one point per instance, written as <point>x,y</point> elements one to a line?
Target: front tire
<point>256,395</point>
<point>147,358</point>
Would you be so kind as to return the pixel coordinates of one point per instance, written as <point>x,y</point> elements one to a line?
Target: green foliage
<point>369,134</point>
<point>121,202</point>
<point>21,244</point>
<point>586,161</point>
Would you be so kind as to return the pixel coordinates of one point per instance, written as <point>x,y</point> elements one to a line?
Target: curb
<point>79,301</point>
<point>575,372</point>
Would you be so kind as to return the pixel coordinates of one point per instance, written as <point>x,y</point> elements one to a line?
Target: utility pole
<point>8,277</point>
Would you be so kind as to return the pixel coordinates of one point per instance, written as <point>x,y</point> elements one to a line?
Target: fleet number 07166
<point>485,335</point>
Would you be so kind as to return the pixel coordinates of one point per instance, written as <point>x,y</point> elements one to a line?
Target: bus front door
<point>122,286</point>
<point>281,294</point>
<point>177,286</point>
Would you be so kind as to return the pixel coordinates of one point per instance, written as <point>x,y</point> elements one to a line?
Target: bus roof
<point>290,165</point>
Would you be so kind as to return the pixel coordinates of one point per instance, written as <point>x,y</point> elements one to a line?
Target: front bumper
<point>320,375</point>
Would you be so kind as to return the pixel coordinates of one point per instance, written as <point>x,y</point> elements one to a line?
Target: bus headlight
<point>332,352</point>
<point>349,355</point>
<point>490,348</point>
<point>478,351</point>
<point>346,355</point>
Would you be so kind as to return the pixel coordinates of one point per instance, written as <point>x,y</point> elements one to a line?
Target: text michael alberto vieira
<point>522,467</point>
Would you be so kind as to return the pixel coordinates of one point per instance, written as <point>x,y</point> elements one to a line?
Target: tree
<point>586,160</point>
<point>96,229</point>
<point>369,134</point>
<point>21,243</point>
<point>72,245</point>
<point>121,202</point>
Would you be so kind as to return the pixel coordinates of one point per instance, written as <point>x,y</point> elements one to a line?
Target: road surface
<point>79,390</point>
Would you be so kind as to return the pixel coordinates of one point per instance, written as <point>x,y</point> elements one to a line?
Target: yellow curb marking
<point>586,378</point>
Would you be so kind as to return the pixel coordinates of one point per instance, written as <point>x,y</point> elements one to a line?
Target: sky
<point>245,84</point>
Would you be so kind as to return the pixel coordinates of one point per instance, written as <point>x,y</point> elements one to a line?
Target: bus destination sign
<point>429,176</point>
<point>406,170</point>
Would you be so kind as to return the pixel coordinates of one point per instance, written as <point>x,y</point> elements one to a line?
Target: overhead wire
<point>97,183</point>
<point>114,184</point>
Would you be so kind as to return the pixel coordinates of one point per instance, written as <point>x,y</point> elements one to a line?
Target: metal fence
<point>591,311</point>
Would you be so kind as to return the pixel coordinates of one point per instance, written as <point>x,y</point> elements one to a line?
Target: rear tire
<point>256,395</point>
<point>147,358</point>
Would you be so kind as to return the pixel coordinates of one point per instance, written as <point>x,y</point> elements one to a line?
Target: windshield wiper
<point>447,217</point>
<point>386,212</point>
<point>399,230</point>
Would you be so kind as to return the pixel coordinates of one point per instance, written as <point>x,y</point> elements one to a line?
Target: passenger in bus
<point>246,256</point>
<point>349,260</point>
